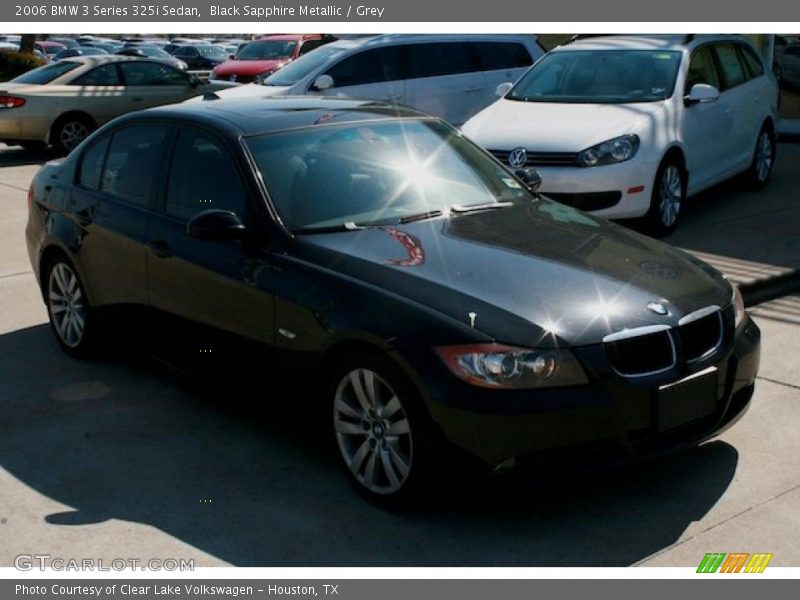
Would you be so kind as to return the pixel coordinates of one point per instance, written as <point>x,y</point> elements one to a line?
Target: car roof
<point>251,116</point>
<point>410,38</point>
<point>289,37</point>
<point>644,42</point>
<point>96,59</point>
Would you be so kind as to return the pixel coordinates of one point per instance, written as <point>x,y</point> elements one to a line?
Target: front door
<point>222,287</point>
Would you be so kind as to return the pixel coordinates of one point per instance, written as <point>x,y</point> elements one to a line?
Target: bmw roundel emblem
<point>518,157</point>
<point>658,308</point>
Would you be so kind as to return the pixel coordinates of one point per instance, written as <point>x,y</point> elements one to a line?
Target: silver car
<point>61,103</point>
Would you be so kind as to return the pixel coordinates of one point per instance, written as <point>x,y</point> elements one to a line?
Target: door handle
<point>138,99</point>
<point>393,97</point>
<point>475,88</point>
<point>160,248</point>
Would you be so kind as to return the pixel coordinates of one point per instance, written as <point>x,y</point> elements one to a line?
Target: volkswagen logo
<point>518,157</point>
<point>658,308</point>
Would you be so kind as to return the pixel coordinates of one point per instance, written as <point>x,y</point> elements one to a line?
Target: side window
<point>436,60</point>
<point>132,162</point>
<point>752,63</point>
<point>732,69</point>
<point>105,75</point>
<point>149,73</point>
<point>92,164</point>
<point>309,46</point>
<point>203,176</point>
<point>702,69</point>
<point>494,56</point>
<point>371,66</point>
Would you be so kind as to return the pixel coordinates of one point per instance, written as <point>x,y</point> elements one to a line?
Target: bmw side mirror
<point>216,225</point>
<point>502,89</point>
<point>323,82</point>
<point>530,177</point>
<point>701,93</point>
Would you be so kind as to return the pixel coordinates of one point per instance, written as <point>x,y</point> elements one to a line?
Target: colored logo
<point>734,562</point>
<point>518,157</point>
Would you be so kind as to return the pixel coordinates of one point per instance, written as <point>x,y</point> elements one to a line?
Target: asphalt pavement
<point>121,458</point>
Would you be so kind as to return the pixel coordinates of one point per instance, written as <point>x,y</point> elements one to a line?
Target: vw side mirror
<point>502,89</point>
<point>701,93</point>
<point>323,82</point>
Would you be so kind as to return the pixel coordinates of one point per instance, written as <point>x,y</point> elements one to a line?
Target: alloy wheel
<point>764,156</point>
<point>670,195</point>
<point>65,303</point>
<point>372,431</point>
<point>72,134</point>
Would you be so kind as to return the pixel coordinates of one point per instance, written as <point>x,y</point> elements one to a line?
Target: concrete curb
<point>771,288</point>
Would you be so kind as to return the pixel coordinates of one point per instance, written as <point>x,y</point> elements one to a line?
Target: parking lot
<point>121,457</point>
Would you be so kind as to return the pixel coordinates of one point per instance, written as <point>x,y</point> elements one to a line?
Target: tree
<point>27,42</point>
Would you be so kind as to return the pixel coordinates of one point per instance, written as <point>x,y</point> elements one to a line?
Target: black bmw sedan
<point>436,298</point>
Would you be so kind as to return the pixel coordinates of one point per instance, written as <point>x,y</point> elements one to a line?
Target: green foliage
<point>14,63</point>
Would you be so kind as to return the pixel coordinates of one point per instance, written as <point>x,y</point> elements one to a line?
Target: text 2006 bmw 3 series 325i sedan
<point>440,299</point>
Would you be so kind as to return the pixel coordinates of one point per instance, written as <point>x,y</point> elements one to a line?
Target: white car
<point>449,76</point>
<point>627,126</point>
<point>62,102</point>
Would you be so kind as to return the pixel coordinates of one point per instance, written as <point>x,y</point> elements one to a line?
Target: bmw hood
<point>555,127</point>
<point>537,267</point>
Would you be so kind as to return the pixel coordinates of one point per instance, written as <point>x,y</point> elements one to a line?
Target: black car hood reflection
<point>536,273</point>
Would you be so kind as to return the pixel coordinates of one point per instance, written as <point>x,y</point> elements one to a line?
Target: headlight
<point>613,151</point>
<point>738,305</point>
<point>507,367</point>
<point>213,75</point>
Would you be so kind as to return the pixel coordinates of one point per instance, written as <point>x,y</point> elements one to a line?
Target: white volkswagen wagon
<point>627,126</point>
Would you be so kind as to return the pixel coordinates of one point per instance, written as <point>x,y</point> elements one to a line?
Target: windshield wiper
<point>430,214</point>
<point>349,226</point>
<point>476,207</point>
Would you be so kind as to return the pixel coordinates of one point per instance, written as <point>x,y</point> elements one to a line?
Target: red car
<point>48,48</point>
<point>264,56</point>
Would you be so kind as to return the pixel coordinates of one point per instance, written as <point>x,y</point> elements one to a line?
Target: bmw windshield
<point>600,76</point>
<point>376,173</point>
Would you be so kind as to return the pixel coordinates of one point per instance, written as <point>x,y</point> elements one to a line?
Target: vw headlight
<point>612,151</point>
<point>508,367</point>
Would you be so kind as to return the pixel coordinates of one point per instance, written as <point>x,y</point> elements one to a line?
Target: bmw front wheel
<point>381,430</point>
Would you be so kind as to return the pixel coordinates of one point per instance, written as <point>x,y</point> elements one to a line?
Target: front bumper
<point>617,191</point>
<point>613,419</point>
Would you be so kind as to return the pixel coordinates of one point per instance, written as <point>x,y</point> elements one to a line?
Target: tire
<point>68,308</point>
<point>382,432</point>
<point>667,199</point>
<point>757,175</point>
<point>69,131</point>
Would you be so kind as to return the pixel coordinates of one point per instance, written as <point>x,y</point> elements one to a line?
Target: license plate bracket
<point>687,400</point>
